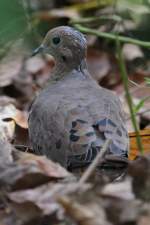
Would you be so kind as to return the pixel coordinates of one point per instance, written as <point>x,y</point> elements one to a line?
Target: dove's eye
<point>56,40</point>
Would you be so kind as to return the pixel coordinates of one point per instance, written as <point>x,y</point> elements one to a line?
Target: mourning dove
<point>72,117</point>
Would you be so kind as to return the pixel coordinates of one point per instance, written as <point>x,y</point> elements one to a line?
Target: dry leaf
<point>131,52</point>
<point>31,171</point>
<point>45,165</point>
<point>90,214</point>
<point>121,190</point>
<point>5,152</point>
<point>145,137</point>
<point>8,116</point>
<point>139,170</point>
<point>7,124</point>
<point>42,198</point>
<point>98,64</point>
<point>144,219</point>
<point>35,64</point>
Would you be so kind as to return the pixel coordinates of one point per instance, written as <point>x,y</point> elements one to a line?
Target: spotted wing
<point>86,140</point>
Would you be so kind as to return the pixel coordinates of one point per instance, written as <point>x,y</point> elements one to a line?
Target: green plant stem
<point>112,36</point>
<point>99,19</point>
<point>128,96</point>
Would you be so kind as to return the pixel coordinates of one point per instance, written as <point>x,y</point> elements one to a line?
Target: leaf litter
<point>35,190</point>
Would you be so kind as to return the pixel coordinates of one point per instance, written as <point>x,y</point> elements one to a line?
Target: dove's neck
<point>62,70</point>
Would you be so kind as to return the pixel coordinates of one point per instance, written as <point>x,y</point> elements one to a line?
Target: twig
<point>112,36</point>
<point>124,76</point>
<point>95,162</point>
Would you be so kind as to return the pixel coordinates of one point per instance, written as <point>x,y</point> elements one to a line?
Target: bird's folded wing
<point>87,139</point>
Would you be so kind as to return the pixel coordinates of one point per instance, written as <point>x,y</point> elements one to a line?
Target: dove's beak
<point>38,50</point>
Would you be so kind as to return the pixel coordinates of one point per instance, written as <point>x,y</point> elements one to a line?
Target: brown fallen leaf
<point>5,100</point>
<point>41,198</point>
<point>56,14</point>
<point>131,52</point>
<point>122,190</point>
<point>44,164</point>
<point>9,115</point>
<point>99,64</point>
<point>31,171</point>
<point>121,211</point>
<point>92,214</point>
<point>41,201</point>
<point>7,124</point>
<point>35,64</point>
<point>145,136</point>
<point>139,170</point>
<point>21,118</point>
<point>144,219</point>
<point>5,152</point>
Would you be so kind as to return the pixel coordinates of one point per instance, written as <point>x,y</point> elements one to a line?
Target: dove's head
<point>65,44</point>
